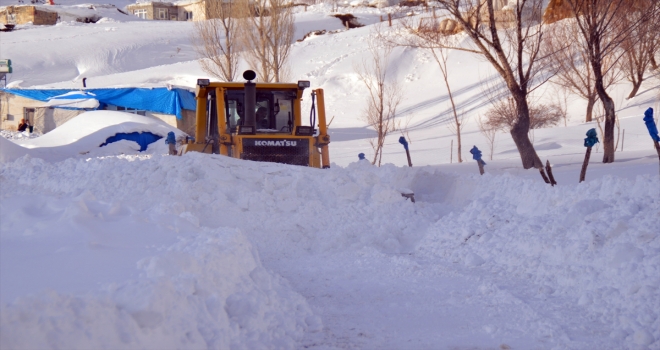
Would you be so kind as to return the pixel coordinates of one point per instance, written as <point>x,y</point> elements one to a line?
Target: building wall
<point>188,122</point>
<point>27,14</point>
<point>153,10</point>
<point>45,119</point>
<point>11,109</point>
<point>198,10</point>
<point>170,10</point>
<point>148,7</point>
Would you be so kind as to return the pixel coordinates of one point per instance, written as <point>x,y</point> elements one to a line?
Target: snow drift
<point>592,246</point>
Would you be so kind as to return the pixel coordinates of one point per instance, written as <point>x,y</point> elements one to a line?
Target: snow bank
<point>593,246</point>
<point>597,243</point>
<point>208,290</point>
<point>83,134</point>
<point>17,135</point>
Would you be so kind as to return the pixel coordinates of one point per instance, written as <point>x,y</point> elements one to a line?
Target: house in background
<point>174,106</point>
<point>162,11</point>
<point>22,14</point>
<point>192,10</point>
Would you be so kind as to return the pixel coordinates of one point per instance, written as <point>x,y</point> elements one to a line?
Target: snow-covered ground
<point>149,251</point>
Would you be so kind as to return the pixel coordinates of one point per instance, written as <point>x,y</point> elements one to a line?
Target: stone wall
<point>27,14</point>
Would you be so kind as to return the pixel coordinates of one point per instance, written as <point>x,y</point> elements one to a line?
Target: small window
<point>189,16</point>
<point>142,13</point>
<point>162,13</point>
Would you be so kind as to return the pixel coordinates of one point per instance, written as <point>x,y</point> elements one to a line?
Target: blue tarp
<point>160,100</point>
<point>143,139</point>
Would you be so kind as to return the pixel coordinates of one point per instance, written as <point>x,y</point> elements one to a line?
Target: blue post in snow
<point>590,141</point>
<point>653,129</point>
<point>171,142</point>
<point>402,140</point>
<point>361,156</point>
<point>476,155</point>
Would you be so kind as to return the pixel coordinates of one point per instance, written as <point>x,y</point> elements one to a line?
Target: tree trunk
<point>458,136</point>
<point>519,133</point>
<point>608,133</point>
<point>585,164</point>
<point>654,64</point>
<point>591,101</point>
<point>636,85</point>
<point>610,113</point>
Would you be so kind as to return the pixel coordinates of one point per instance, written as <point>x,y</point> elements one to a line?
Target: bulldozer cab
<point>260,122</point>
<point>274,110</point>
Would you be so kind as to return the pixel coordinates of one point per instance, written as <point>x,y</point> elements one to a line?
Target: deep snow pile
<point>94,272</point>
<point>83,135</point>
<point>597,242</point>
<point>593,246</point>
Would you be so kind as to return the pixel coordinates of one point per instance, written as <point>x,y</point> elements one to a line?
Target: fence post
<point>451,152</point>
<point>402,140</point>
<point>548,168</point>
<point>623,138</point>
<point>590,141</point>
<point>389,19</point>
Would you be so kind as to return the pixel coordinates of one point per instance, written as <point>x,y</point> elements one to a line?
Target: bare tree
<point>489,133</point>
<point>504,114</point>
<point>456,126</point>
<point>603,31</point>
<point>215,40</point>
<point>655,53</point>
<point>640,45</point>
<point>425,34</point>
<point>514,52</point>
<point>267,31</point>
<point>572,64</point>
<point>384,97</point>
<point>561,101</point>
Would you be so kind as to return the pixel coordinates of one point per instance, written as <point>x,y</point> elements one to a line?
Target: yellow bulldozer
<point>260,122</point>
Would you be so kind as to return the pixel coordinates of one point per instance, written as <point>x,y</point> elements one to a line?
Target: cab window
<point>273,110</point>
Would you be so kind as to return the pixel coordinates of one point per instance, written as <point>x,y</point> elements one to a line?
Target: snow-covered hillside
<point>148,251</point>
